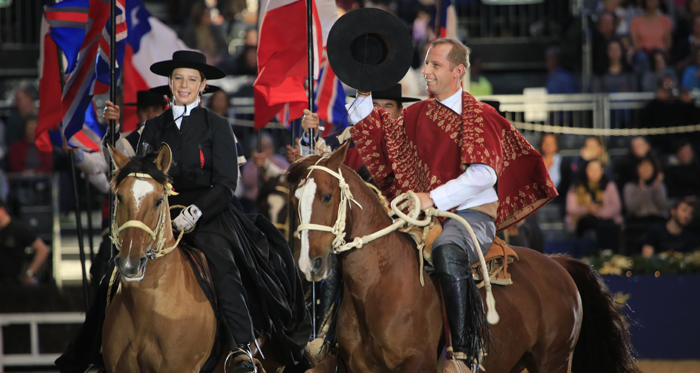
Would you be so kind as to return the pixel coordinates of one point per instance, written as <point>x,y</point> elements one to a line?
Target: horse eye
<point>159,202</point>
<point>327,197</point>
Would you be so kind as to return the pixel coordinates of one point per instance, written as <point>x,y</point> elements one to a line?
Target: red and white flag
<point>282,55</point>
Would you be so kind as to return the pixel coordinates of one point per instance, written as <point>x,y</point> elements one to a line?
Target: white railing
<point>35,357</point>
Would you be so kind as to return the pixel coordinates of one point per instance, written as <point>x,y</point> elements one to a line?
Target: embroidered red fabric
<point>431,145</point>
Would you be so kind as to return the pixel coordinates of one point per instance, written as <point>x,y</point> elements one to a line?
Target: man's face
<point>390,106</point>
<point>682,214</point>
<point>145,113</point>
<point>440,75</point>
<point>685,154</point>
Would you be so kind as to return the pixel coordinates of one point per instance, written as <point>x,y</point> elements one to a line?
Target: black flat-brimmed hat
<point>165,90</point>
<point>369,49</point>
<point>190,60</point>
<point>392,93</point>
<point>147,98</point>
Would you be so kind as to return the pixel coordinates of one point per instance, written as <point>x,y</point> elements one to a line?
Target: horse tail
<point>604,344</point>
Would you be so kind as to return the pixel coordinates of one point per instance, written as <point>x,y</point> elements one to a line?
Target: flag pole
<point>113,99</point>
<point>79,225</point>
<point>310,86</point>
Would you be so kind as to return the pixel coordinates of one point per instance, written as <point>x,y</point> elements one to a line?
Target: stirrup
<point>241,360</point>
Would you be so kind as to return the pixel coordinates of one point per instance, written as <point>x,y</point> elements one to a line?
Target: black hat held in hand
<point>369,49</point>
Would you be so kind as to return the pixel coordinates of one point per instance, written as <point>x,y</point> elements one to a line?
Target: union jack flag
<point>329,101</point>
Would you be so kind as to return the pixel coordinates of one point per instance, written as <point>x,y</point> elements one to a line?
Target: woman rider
<point>250,261</point>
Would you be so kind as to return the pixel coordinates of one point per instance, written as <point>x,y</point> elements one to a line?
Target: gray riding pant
<point>453,232</point>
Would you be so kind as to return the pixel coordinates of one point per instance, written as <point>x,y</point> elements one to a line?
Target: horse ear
<point>164,158</point>
<point>336,159</point>
<point>119,159</point>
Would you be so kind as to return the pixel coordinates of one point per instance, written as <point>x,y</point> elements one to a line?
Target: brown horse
<point>388,322</point>
<point>159,319</point>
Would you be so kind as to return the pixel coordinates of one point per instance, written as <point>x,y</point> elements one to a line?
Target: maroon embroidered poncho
<point>430,145</point>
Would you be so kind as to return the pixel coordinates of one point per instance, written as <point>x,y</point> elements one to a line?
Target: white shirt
<point>475,187</point>
<point>183,111</point>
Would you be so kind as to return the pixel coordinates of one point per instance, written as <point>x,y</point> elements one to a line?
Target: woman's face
<point>549,145</point>
<point>594,171</point>
<point>640,147</point>
<point>219,102</point>
<point>186,85</point>
<point>614,51</point>
<point>652,5</point>
<point>645,170</point>
<point>591,149</point>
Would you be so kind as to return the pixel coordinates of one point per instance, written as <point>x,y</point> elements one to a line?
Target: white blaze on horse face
<point>140,190</point>
<point>305,195</point>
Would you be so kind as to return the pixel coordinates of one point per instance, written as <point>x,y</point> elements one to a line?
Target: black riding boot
<point>242,360</point>
<point>463,305</point>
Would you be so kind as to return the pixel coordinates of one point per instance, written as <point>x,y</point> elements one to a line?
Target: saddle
<point>497,258</point>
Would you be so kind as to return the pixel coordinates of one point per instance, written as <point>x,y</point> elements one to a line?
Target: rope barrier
<point>604,131</point>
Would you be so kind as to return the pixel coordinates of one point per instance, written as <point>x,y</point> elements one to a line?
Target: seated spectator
<point>603,33</point>
<point>673,235</point>
<point>559,80</point>
<point>685,20</point>
<point>625,169</point>
<point>592,149</point>
<point>691,74</point>
<point>646,198</point>
<point>652,29</point>
<point>205,36</point>
<point>617,76</point>
<point>24,155</point>
<point>478,84</point>
<point>23,106</point>
<point>247,62</point>
<point>612,7</point>
<point>684,48</point>
<point>549,148</point>
<point>683,173</point>
<point>659,70</point>
<point>593,203</point>
<point>645,201</point>
<point>271,164</point>
<point>220,104</point>
<point>15,238</point>
<point>670,108</point>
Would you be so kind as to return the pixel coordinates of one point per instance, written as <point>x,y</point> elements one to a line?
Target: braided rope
<point>339,245</point>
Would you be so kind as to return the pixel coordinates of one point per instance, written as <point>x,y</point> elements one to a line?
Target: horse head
<point>141,221</point>
<point>322,197</point>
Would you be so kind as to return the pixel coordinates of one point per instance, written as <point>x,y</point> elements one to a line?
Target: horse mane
<point>300,168</point>
<point>145,165</point>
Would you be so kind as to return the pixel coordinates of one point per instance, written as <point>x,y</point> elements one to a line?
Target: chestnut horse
<point>388,322</point>
<point>159,319</point>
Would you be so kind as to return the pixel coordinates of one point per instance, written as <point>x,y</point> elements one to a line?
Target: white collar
<point>183,111</point>
<point>454,102</point>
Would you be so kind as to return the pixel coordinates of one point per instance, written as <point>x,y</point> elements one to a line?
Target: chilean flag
<point>148,41</point>
<point>330,99</point>
<point>282,55</point>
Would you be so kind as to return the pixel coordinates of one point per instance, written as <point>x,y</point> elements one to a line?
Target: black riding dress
<point>251,264</point>
<point>254,274</point>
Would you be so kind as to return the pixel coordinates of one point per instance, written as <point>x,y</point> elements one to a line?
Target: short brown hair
<point>459,54</point>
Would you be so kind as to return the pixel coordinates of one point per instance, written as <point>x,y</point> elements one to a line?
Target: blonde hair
<point>459,54</point>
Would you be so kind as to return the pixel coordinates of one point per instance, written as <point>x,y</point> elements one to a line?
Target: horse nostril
<point>318,263</point>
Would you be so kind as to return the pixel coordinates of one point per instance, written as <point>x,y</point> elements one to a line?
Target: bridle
<point>157,234</point>
<point>338,229</point>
